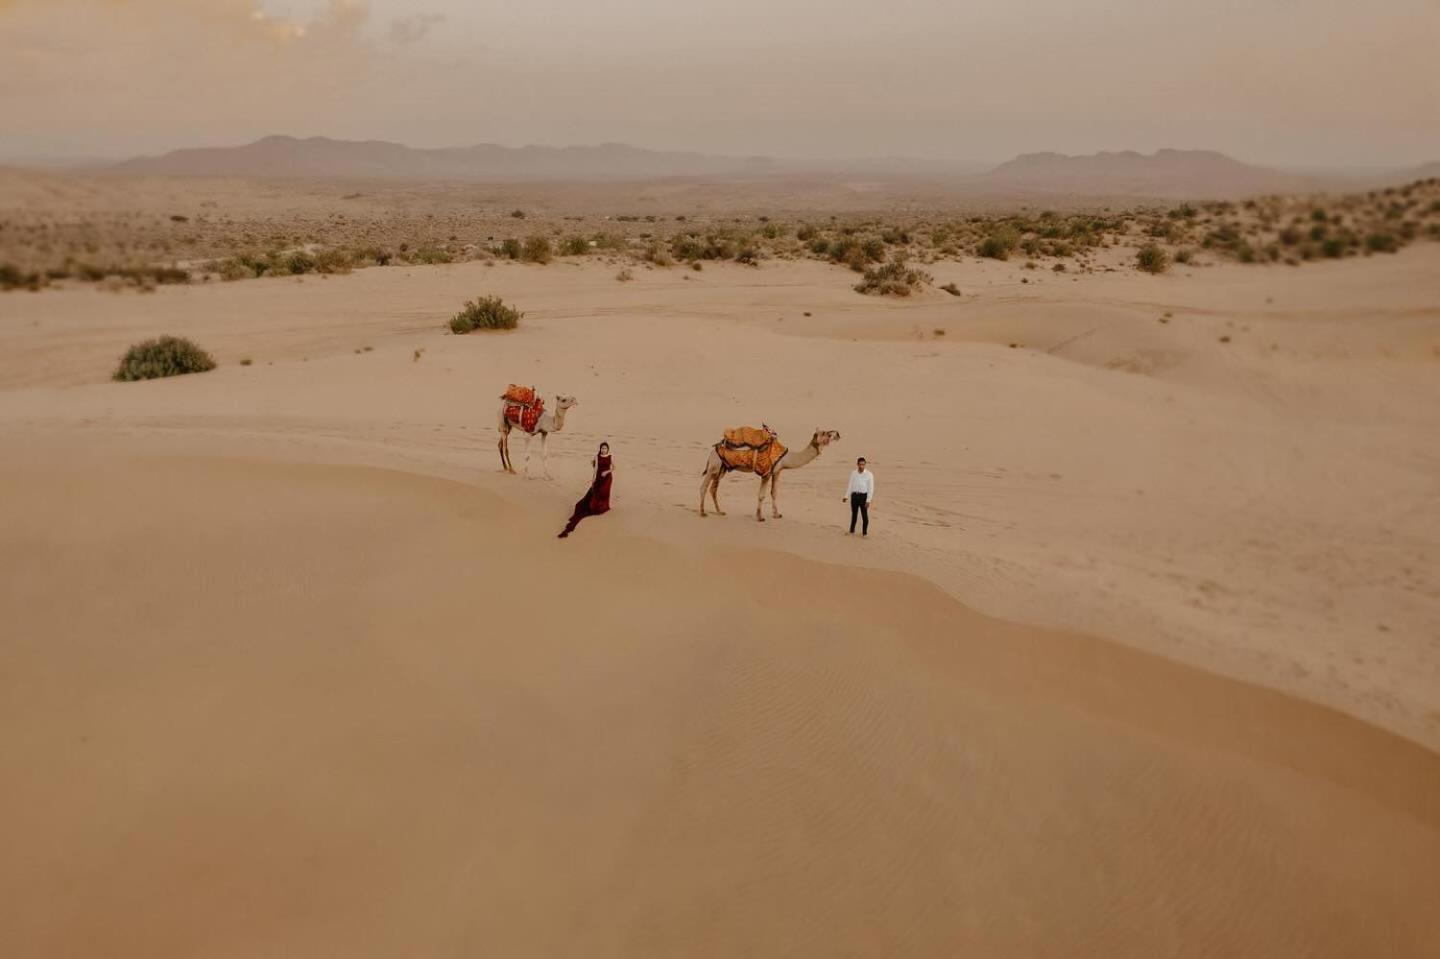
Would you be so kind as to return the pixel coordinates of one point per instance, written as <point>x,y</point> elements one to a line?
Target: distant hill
<point>1189,173</point>
<point>1428,171</point>
<point>282,156</point>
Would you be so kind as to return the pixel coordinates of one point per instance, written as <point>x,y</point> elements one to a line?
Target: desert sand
<point>1141,658</point>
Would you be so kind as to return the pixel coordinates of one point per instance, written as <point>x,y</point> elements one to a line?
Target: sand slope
<point>252,708</point>
<point>1262,507</point>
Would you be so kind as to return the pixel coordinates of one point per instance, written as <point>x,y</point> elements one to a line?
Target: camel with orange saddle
<point>749,449</point>
<point>523,408</point>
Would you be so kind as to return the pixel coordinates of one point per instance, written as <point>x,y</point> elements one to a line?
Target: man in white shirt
<point>860,493</point>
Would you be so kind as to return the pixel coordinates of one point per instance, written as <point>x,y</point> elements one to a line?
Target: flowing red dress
<point>596,499</point>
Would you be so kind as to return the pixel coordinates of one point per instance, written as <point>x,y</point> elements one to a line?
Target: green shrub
<point>574,246</point>
<point>892,279</point>
<point>13,278</point>
<point>334,261</point>
<point>372,254</point>
<point>687,247</point>
<point>169,274</point>
<point>167,356</point>
<point>234,269</point>
<point>840,248</point>
<point>1382,243</point>
<point>1152,259</point>
<point>1184,256</point>
<point>257,265</point>
<point>998,244</point>
<point>536,250</point>
<point>430,255</point>
<point>486,313</point>
<point>294,263</point>
<point>510,248</point>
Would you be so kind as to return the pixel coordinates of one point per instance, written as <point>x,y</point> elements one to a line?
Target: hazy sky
<point>1299,82</point>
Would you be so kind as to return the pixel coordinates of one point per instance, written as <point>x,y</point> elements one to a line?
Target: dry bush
<point>536,249</point>
<point>892,279</point>
<point>166,356</point>
<point>1152,259</point>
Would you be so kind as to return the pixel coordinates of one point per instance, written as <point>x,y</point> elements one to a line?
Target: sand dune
<point>326,715</point>
<point>1237,505</point>
<point>290,666</point>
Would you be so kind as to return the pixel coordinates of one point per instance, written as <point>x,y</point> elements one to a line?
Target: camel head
<point>563,402</point>
<point>824,438</point>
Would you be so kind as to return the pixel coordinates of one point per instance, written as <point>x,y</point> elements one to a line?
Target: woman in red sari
<point>597,498</point>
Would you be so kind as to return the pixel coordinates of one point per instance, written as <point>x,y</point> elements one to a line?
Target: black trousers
<point>860,506</point>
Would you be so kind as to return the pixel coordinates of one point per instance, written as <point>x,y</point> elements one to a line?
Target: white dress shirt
<point>862,483</point>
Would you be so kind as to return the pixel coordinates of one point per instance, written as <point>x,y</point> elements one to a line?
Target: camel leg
<point>704,488</point>
<point>545,455</point>
<point>505,452</point>
<point>760,500</point>
<point>715,492</point>
<point>774,503</point>
<point>528,438</point>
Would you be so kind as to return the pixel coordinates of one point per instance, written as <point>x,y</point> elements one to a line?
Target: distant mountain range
<point>1428,171</point>
<point>281,156</point>
<point>1165,173</point>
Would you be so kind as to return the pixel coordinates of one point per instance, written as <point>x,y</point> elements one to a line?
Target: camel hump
<point>748,437</point>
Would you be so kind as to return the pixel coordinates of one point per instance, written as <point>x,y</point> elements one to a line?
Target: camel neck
<point>801,457</point>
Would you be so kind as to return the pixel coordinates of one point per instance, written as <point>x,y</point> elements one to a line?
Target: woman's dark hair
<point>605,444</point>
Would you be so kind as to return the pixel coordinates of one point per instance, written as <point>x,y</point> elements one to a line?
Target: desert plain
<point>1141,657</point>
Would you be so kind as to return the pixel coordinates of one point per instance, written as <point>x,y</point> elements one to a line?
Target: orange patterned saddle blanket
<point>524,417</point>
<point>754,437</point>
<point>750,460</point>
<point>522,396</point>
